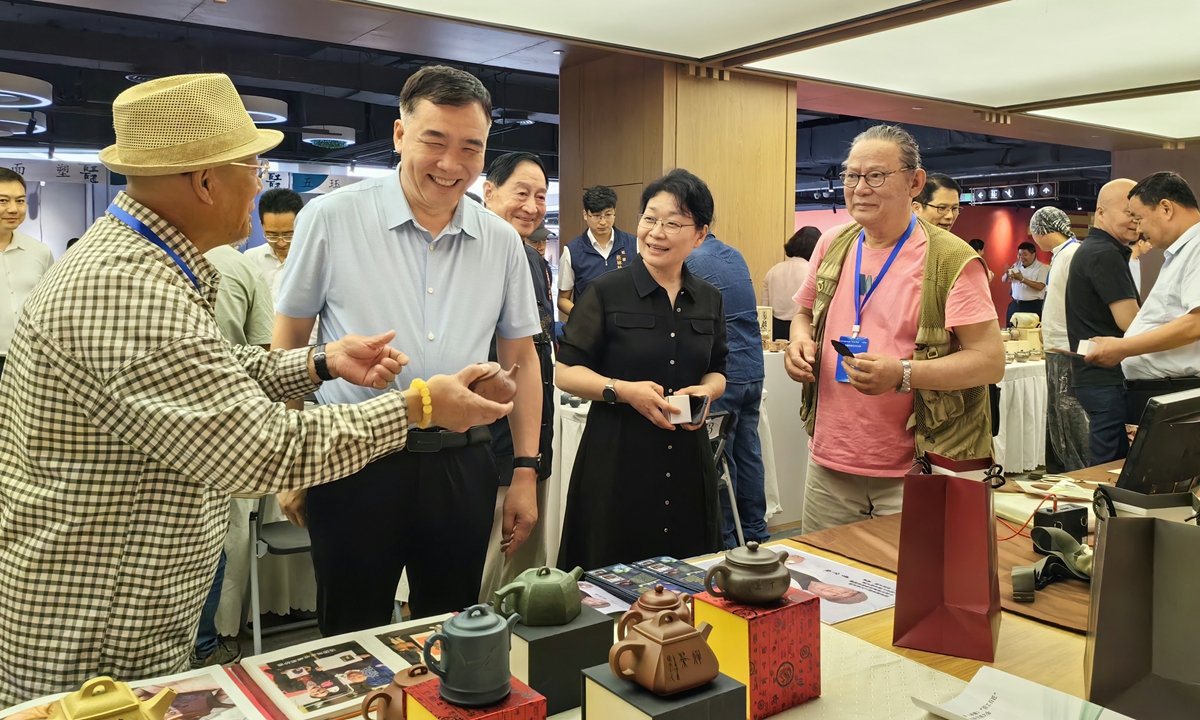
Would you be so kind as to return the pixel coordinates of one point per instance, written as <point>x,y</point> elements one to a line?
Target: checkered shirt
<point>125,422</point>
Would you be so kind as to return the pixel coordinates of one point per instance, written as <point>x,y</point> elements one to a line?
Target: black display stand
<point>550,658</point>
<point>605,697</point>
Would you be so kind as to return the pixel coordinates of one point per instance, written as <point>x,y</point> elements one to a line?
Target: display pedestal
<point>423,702</point>
<point>549,659</point>
<point>606,697</point>
<point>775,650</point>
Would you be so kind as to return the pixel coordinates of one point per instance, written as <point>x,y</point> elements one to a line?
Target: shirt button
<point>678,309</point>
<point>668,474</point>
<point>672,334</point>
<point>672,362</point>
<point>430,246</point>
<point>430,336</point>
<point>664,529</point>
<point>668,502</point>
<point>430,291</point>
<point>670,447</point>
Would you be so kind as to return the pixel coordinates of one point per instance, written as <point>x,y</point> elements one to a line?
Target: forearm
<point>580,381</point>
<point>1177,333</point>
<point>969,367</point>
<point>526,418</point>
<point>565,304</point>
<point>801,328</point>
<point>281,374</point>
<point>715,382</point>
<point>1035,286</point>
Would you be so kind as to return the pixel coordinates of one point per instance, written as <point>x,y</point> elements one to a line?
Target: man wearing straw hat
<point>128,420</point>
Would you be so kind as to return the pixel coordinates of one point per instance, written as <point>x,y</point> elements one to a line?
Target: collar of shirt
<point>465,220</point>
<point>206,274</point>
<point>1188,236</point>
<point>1095,234</point>
<point>596,243</point>
<point>1054,253</point>
<point>646,284</point>
<point>17,242</point>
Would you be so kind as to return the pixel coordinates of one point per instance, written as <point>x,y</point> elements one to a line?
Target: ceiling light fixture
<point>138,78</point>
<point>21,122</point>
<point>265,110</point>
<point>21,92</point>
<point>504,116</point>
<point>330,137</point>
<point>558,52</point>
<point>917,108</point>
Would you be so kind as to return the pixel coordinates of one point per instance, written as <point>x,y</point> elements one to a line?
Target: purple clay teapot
<point>498,385</point>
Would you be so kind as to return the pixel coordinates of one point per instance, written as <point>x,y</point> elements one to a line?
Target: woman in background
<point>783,280</point>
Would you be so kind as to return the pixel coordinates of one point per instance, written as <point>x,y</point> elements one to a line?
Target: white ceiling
<point>1171,116</point>
<point>686,28</point>
<point>1018,52</point>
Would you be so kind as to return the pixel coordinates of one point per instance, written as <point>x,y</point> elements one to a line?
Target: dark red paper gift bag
<point>947,587</point>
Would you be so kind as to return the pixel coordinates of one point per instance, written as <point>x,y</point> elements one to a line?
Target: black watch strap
<point>319,363</point>
<point>534,462</point>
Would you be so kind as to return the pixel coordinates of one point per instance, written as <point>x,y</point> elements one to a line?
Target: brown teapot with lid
<point>666,655</point>
<point>497,384</point>
<point>654,603</point>
<point>750,575</point>
<point>390,700</point>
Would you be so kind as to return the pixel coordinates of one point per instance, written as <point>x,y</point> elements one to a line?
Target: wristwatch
<point>534,462</point>
<point>318,356</point>
<point>906,381</point>
<point>610,392</point>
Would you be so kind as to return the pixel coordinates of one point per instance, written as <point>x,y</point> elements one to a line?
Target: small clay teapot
<point>497,385</point>
<point>669,655</point>
<point>391,698</point>
<point>474,664</point>
<point>103,698</point>
<point>652,604</point>
<point>750,575</point>
<point>542,596</point>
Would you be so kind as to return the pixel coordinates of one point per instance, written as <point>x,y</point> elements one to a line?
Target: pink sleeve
<point>970,299</point>
<point>807,295</point>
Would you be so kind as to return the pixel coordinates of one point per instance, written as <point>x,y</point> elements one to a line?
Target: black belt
<point>1163,384</point>
<point>435,440</point>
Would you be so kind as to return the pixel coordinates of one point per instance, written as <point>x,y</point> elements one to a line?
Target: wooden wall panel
<point>613,128</point>
<point>570,161</point>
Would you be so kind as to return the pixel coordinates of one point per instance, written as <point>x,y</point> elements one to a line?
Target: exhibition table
<point>1020,445</point>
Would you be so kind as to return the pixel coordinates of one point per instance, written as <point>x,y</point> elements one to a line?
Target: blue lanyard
<point>1066,245</point>
<point>140,228</point>
<point>860,300</point>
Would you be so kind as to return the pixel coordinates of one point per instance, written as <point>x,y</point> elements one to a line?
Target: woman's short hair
<point>803,243</point>
<point>690,192</point>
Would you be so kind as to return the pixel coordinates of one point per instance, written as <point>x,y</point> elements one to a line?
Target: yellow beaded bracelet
<point>426,402</point>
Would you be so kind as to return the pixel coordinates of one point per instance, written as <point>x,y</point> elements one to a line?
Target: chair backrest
<point>717,426</point>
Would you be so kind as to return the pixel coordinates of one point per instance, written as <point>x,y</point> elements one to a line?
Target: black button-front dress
<point>638,491</point>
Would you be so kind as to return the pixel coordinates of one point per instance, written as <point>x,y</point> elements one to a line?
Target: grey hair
<point>910,153</point>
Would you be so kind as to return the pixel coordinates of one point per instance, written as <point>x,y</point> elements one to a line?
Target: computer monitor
<point>1165,457</point>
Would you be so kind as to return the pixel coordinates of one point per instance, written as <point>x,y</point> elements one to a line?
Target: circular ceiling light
<point>265,110</point>
<point>330,137</point>
<point>16,122</point>
<point>139,78</point>
<point>518,118</point>
<point>21,92</point>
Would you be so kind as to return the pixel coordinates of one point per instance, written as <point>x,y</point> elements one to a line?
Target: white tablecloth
<point>1021,444</point>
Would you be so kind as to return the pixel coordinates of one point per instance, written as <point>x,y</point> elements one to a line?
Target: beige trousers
<point>833,498</point>
<point>499,571</point>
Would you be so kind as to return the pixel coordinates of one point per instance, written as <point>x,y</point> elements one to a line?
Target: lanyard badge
<point>860,299</point>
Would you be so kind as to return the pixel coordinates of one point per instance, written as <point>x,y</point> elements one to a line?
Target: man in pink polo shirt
<point>869,429</point>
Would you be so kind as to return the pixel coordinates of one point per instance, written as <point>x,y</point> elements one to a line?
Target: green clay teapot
<point>542,596</point>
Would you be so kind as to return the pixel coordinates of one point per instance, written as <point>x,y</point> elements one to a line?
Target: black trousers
<point>429,512</point>
<point>1030,306</point>
<point>1138,393</point>
<point>781,329</point>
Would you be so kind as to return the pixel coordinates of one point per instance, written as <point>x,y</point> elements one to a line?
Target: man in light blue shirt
<point>407,251</point>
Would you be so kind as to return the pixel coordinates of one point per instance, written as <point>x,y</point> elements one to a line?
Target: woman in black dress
<point>642,486</point>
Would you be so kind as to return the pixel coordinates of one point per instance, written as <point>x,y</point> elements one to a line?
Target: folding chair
<point>717,426</point>
<point>276,538</point>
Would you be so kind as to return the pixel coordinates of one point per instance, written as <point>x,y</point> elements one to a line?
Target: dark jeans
<point>207,639</point>
<point>429,512</point>
<point>743,452</point>
<point>1016,306</point>
<point>1106,408</point>
<point>781,329</point>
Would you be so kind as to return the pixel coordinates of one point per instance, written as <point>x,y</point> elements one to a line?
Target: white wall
<point>57,213</point>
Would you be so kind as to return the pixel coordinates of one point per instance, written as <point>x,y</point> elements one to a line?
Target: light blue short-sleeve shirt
<point>1176,293</point>
<point>360,262</point>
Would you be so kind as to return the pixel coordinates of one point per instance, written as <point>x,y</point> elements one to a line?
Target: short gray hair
<point>910,153</point>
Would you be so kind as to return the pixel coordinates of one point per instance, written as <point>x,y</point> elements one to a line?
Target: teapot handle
<point>368,701</point>
<point>630,618</point>
<point>614,657</point>
<point>434,667</point>
<point>716,570</point>
<point>504,594</point>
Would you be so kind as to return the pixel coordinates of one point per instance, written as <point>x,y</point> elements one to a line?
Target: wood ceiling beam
<point>1109,96</point>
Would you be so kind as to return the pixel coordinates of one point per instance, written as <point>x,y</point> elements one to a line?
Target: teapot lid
<point>101,697</point>
<point>543,575</point>
<point>659,599</point>
<point>474,621</point>
<point>752,556</point>
<point>666,628</point>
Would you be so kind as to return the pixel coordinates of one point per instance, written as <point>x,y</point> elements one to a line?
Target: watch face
<point>610,395</point>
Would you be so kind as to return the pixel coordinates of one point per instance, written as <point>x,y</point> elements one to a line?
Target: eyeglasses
<point>610,215</point>
<point>874,179</point>
<point>671,228</point>
<point>939,209</point>
<point>261,168</point>
<point>279,237</point>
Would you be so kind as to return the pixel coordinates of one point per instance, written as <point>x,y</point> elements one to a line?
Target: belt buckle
<point>424,442</point>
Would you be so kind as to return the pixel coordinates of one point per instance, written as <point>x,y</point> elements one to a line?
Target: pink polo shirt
<point>866,434</point>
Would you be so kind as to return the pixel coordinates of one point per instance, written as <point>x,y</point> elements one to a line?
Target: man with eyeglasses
<point>23,259</point>
<point>1028,277</point>
<point>910,301</point>
<point>600,249</point>
<point>938,203</point>
<point>277,211</point>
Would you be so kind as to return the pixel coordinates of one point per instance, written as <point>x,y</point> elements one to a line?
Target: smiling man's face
<point>441,153</point>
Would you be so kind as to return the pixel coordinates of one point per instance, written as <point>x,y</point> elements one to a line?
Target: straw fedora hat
<point>182,123</point>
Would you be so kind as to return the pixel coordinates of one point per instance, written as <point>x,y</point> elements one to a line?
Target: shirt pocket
<point>704,327</point>
<point>632,321</point>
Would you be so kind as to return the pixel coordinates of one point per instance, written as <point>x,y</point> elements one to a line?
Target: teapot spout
<point>156,707</point>
<point>705,629</point>
<point>577,573</point>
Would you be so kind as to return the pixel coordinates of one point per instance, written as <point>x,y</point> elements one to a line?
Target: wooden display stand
<point>606,697</point>
<point>774,650</point>
<point>422,702</point>
<point>549,659</point>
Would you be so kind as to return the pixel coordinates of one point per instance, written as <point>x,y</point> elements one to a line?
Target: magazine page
<point>406,640</point>
<point>845,592</point>
<point>996,695</point>
<point>601,599</point>
<point>205,694</point>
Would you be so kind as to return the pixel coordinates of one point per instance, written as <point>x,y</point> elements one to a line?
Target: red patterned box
<point>425,703</point>
<point>775,650</point>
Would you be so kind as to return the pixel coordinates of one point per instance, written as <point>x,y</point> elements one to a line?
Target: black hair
<point>71,242</point>
<point>280,201</point>
<point>1027,246</point>
<point>474,197</point>
<point>1164,186</point>
<point>977,244</point>
<point>443,85</point>
<point>504,166</point>
<point>690,192</point>
<point>802,243</point>
<point>599,198</point>
<point>935,182</point>
<point>7,175</point>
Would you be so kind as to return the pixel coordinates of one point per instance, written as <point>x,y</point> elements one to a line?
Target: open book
<point>996,695</point>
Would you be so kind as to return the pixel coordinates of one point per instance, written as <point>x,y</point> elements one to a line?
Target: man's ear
<point>201,181</point>
<point>397,135</point>
<point>489,189</point>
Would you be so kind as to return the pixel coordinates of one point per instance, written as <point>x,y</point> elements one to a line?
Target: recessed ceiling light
<point>16,122</point>
<point>20,92</point>
<point>558,52</point>
<point>265,110</point>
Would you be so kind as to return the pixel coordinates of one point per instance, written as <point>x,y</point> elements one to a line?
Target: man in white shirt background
<point>23,260</point>
<point>1066,420</point>
<point>1028,277</point>
<point>600,249</point>
<point>277,210</point>
<point>1160,352</point>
